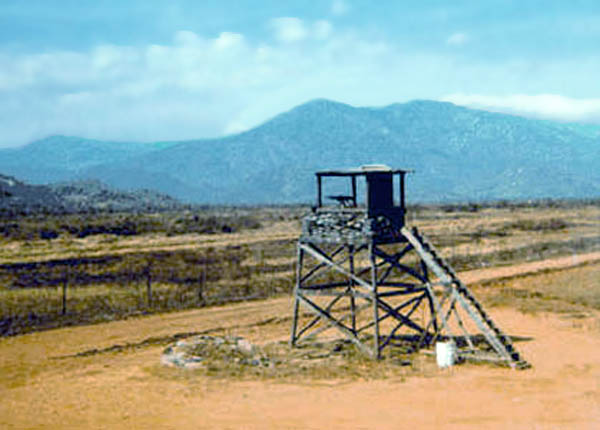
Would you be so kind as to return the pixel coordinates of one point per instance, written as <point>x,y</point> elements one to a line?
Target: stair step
<point>486,324</point>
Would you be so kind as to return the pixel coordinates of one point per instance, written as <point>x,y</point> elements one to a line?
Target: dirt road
<point>129,389</point>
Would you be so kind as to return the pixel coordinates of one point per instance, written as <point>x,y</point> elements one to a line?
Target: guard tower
<point>362,271</point>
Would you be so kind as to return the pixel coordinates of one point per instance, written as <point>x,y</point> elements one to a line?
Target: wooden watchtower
<point>362,271</point>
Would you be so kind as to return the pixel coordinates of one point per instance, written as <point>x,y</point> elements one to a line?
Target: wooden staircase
<point>457,293</point>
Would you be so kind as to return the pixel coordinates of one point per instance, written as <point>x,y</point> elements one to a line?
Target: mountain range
<point>17,197</point>
<point>457,154</point>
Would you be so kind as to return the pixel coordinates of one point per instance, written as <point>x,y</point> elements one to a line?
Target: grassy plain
<point>117,266</point>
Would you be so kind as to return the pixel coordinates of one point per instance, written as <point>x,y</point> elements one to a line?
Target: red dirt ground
<point>131,390</point>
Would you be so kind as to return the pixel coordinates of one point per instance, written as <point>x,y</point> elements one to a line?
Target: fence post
<point>149,283</point>
<point>202,288</point>
<point>64,291</point>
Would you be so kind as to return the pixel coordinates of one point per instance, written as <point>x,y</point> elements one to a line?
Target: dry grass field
<point>107,276</point>
<point>536,269</point>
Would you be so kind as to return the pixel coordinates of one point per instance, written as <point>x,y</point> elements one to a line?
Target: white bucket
<point>445,354</point>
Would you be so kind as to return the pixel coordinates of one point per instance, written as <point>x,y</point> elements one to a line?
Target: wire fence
<point>81,290</point>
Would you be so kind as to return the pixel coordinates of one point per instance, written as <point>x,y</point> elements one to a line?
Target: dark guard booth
<point>380,205</point>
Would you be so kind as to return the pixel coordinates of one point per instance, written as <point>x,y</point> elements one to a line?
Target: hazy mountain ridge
<point>93,194</point>
<point>58,158</point>
<point>457,153</point>
<point>78,196</point>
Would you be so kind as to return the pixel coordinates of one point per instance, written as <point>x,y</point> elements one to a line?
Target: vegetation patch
<point>79,226</point>
<point>573,290</point>
<point>67,280</point>
<point>232,356</point>
<point>550,224</point>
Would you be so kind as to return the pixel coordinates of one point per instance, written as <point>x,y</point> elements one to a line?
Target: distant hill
<point>78,196</point>
<point>20,197</point>
<point>85,195</point>
<point>458,154</point>
<point>64,158</point>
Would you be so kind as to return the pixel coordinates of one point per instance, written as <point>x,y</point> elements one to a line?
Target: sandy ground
<point>131,390</point>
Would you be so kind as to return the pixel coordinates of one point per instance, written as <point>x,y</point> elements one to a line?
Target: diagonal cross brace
<point>341,327</point>
<point>335,266</point>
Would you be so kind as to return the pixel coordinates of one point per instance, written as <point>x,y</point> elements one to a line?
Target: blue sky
<point>171,70</point>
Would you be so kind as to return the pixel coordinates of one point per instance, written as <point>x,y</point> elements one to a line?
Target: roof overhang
<point>363,171</point>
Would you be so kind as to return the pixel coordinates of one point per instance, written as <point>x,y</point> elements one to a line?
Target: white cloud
<point>551,106</point>
<point>194,87</point>
<point>457,39</point>
<point>339,7</point>
<point>228,40</point>
<point>289,29</point>
<point>198,86</point>
<point>322,29</point>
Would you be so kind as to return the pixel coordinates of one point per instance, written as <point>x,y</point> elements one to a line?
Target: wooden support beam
<point>319,192</point>
<point>358,310</point>
<point>397,257</point>
<point>327,309</point>
<point>342,328</point>
<point>325,259</point>
<point>401,323</point>
<point>375,300</point>
<point>342,294</point>
<point>315,269</point>
<point>483,327</point>
<point>388,308</point>
<point>325,286</point>
<point>398,265</point>
<point>351,283</point>
<point>462,326</point>
<point>300,254</point>
<point>403,305</point>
